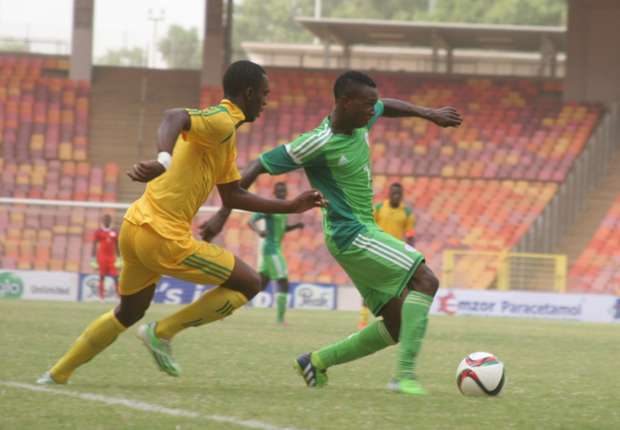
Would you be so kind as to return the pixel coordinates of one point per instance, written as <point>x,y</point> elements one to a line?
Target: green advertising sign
<point>11,286</point>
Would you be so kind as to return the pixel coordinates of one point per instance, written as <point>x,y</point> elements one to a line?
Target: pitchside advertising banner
<point>35,285</point>
<point>39,285</point>
<point>521,304</point>
<point>174,291</point>
<point>301,295</point>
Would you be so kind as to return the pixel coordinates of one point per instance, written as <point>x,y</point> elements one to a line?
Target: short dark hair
<point>396,184</point>
<point>240,75</point>
<point>277,184</point>
<point>349,79</point>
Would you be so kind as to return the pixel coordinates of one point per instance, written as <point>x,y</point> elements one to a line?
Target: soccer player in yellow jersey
<point>396,219</point>
<point>197,150</point>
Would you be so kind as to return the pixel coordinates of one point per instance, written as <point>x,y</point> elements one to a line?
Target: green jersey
<point>339,166</point>
<point>275,227</point>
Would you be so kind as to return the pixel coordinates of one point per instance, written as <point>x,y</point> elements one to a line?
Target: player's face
<point>256,100</point>
<point>359,105</point>
<point>107,220</point>
<point>280,191</point>
<point>396,195</point>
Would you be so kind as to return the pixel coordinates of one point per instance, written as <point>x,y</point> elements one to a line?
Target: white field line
<point>146,407</point>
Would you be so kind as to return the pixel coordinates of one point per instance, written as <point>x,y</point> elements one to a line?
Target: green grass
<point>561,375</point>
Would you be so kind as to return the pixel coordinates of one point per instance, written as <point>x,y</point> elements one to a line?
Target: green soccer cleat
<point>159,349</point>
<point>313,376</point>
<point>407,386</point>
<point>46,379</point>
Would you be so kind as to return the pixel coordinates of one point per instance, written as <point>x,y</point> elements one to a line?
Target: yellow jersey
<point>203,157</point>
<point>398,222</point>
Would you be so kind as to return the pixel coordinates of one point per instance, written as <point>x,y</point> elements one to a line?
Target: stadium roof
<point>518,38</point>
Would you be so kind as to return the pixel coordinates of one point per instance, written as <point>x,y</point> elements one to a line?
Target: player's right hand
<point>145,171</point>
<point>213,226</point>
<point>308,200</point>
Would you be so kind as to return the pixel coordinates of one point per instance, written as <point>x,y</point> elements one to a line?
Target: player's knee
<point>426,282</point>
<point>252,285</point>
<point>128,316</point>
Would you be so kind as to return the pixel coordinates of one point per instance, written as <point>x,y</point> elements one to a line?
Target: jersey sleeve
<point>209,126</point>
<point>378,112</point>
<point>304,151</point>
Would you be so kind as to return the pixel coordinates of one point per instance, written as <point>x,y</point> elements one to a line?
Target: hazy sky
<point>117,22</point>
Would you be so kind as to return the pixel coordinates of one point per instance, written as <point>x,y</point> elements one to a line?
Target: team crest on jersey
<point>343,160</point>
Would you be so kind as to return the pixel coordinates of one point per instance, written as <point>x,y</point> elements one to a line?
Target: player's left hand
<point>446,117</point>
<point>145,171</point>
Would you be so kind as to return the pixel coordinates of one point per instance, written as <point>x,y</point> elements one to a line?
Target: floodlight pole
<point>318,8</point>
<point>155,18</point>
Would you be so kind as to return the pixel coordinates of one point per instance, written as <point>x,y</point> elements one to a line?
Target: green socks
<point>281,303</point>
<point>414,319</point>
<point>373,338</point>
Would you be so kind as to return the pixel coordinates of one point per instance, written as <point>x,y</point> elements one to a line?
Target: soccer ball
<point>480,374</point>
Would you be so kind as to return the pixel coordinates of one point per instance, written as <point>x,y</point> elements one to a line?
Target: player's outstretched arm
<point>235,197</point>
<point>214,225</point>
<point>175,121</point>
<point>444,117</point>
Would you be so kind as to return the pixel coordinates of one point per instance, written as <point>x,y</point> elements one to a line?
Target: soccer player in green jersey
<point>273,265</point>
<point>390,275</point>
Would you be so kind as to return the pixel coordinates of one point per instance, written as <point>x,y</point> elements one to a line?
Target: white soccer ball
<point>480,374</point>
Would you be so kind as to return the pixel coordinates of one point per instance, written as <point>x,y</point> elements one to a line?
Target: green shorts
<point>273,266</point>
<point>379,265</point>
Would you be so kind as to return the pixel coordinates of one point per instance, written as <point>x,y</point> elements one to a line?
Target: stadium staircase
<point>127,107</point>
<point>593,243</point>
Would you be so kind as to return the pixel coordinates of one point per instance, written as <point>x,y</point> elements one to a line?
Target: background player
<point>395,218</point>
<point>105,257</point>
<point>389,274</point>
<point>272,263</point>
<point>156,237</point>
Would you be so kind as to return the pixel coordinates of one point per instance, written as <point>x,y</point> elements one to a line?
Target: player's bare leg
<point>99,335</point>
<point>217,303</point>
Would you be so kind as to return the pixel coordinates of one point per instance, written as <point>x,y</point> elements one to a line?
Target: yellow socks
<point>214,305</point>
<point>364,314</point>
<point>97,336</point>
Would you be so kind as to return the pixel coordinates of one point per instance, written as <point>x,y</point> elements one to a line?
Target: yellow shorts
<point>147,256</point>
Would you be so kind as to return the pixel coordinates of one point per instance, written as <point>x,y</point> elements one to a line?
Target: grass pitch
<point>560,375</point>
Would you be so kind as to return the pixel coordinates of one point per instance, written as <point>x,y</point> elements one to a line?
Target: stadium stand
<point>44,121</point>
<point>478,187</point>
<point>597,269</point>
<point>516,129</point>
